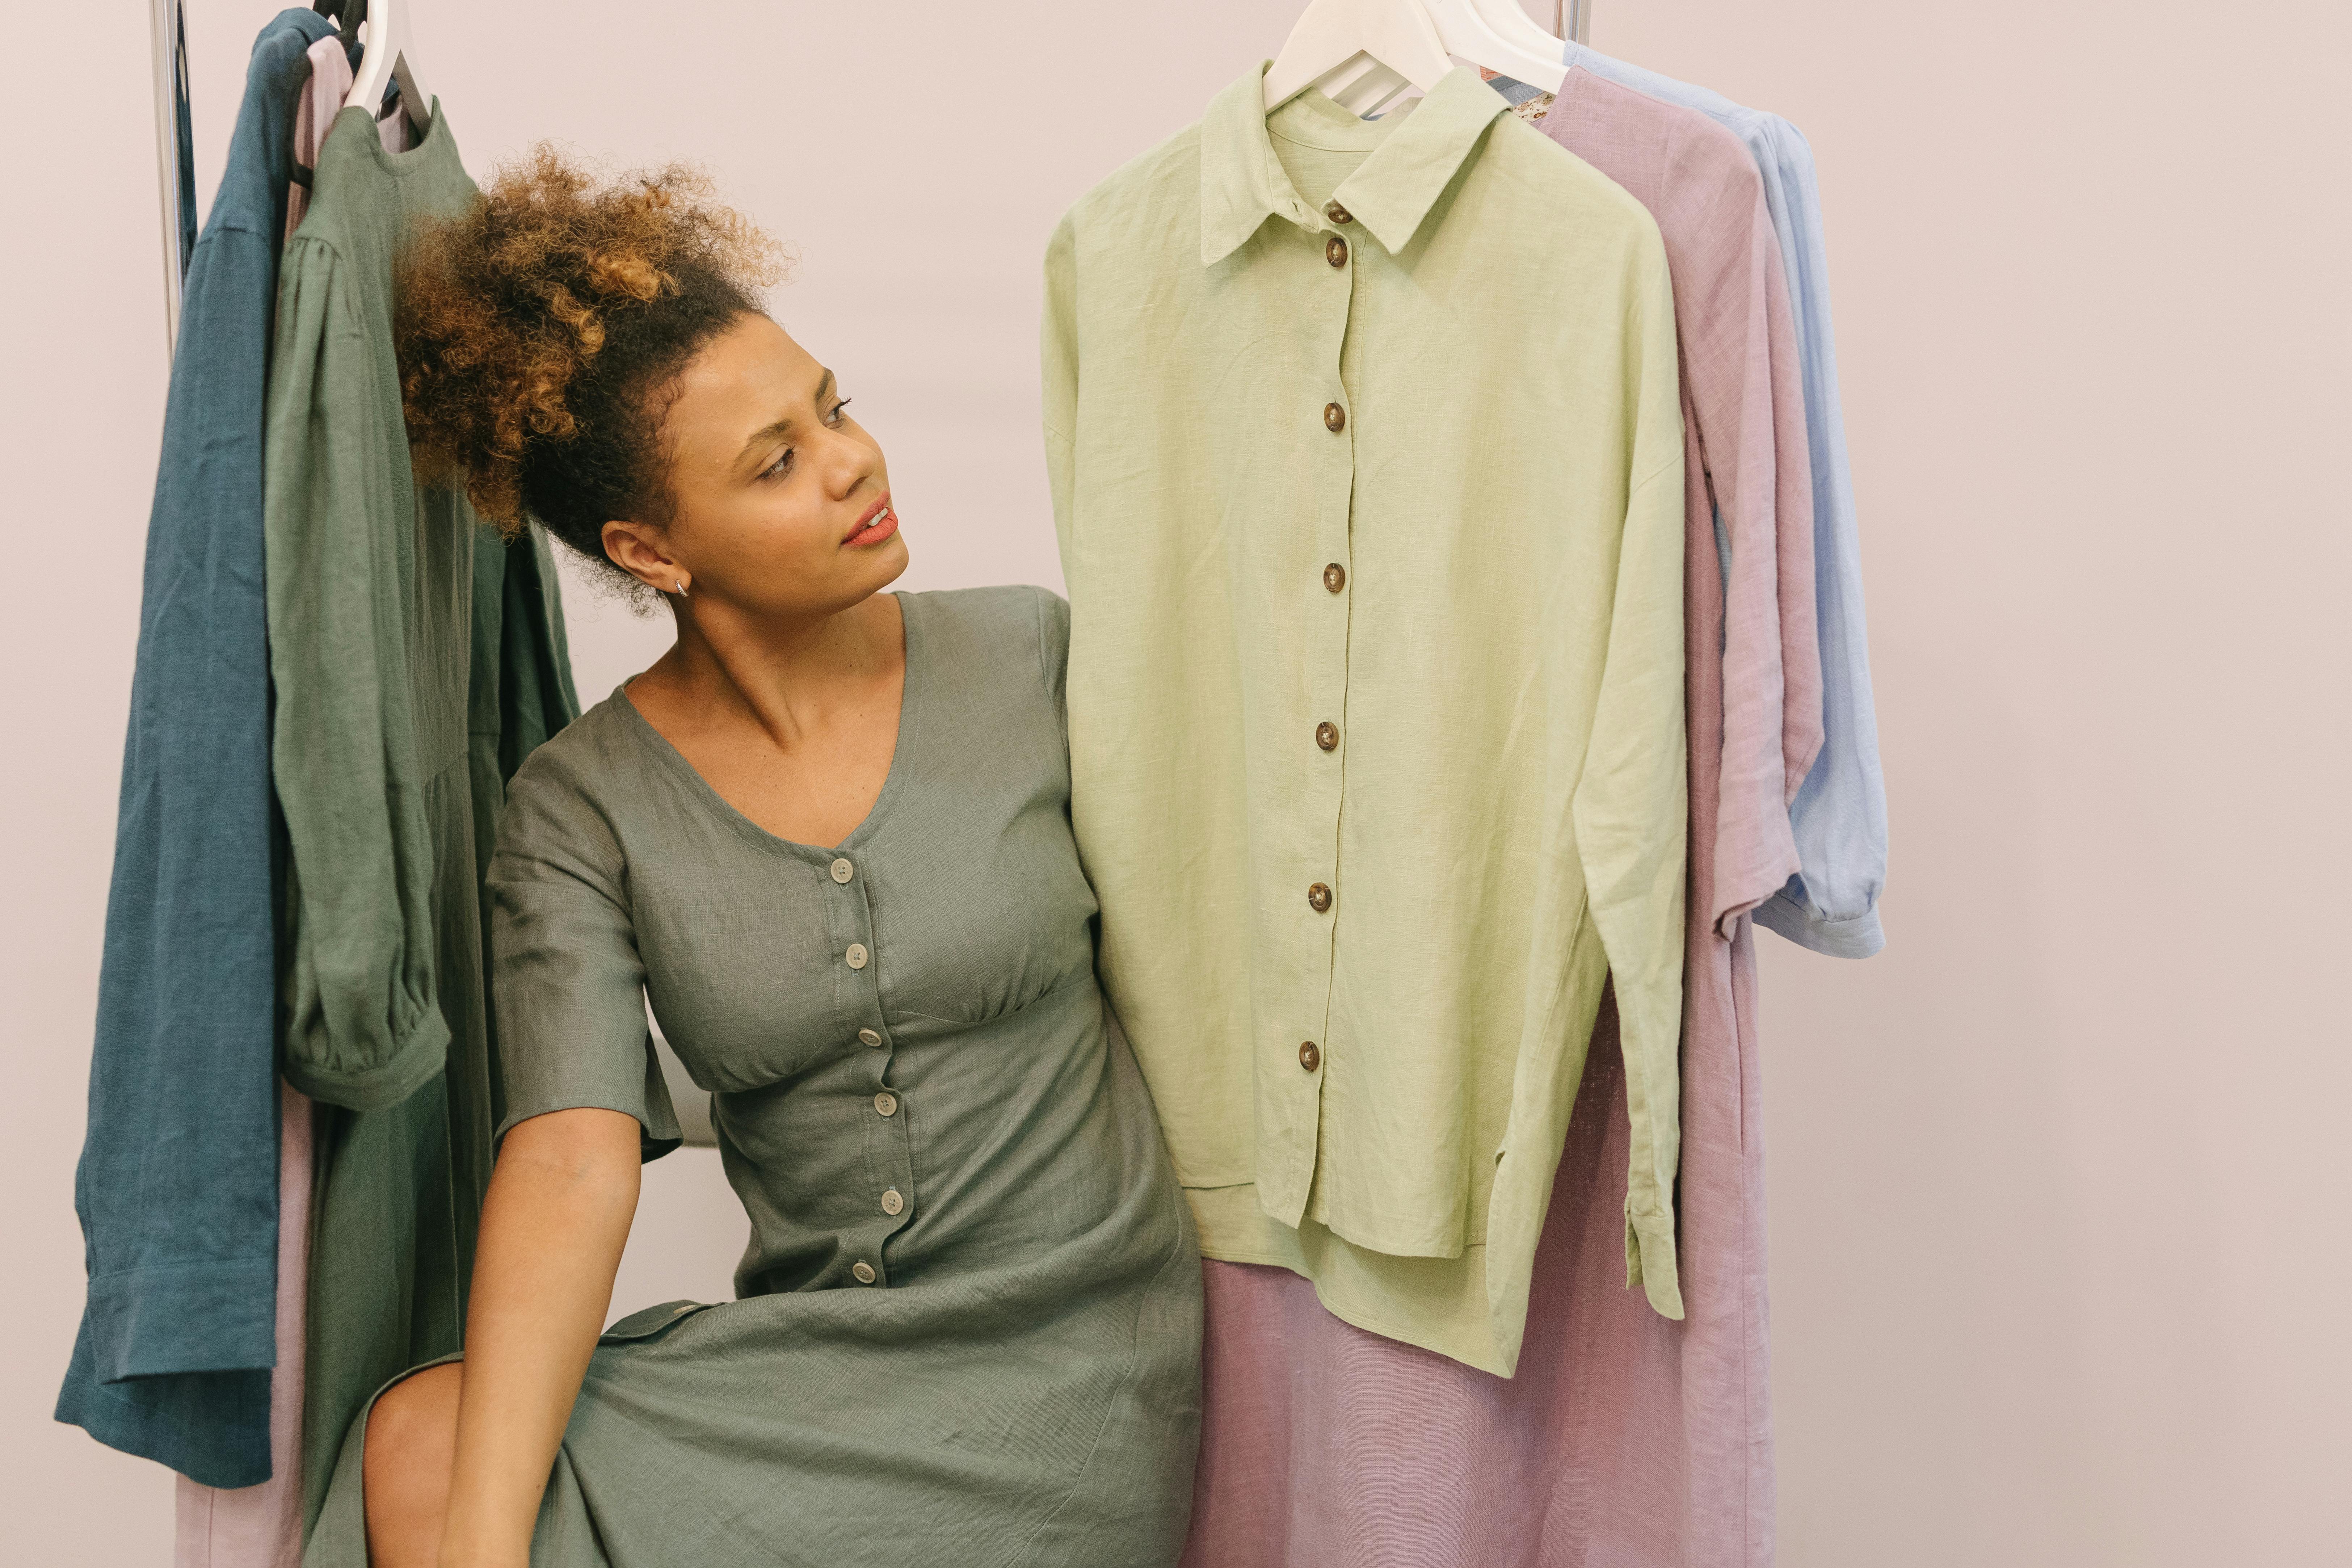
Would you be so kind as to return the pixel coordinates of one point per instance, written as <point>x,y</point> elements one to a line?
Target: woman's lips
<point>876,526</point>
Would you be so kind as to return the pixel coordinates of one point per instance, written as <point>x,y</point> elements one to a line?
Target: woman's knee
<point>420,1410</point>
<point>412,1438</point>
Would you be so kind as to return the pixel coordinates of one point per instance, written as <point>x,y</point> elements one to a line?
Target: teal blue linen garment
<point>968,1329</point>
<point>177,1188</point>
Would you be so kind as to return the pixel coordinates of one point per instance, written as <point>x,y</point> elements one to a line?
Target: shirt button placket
<point>894,1155</point>
<point>856,922</point>
<point>1327,693</point>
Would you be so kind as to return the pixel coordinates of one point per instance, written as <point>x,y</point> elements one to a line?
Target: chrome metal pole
<point>167,22</point>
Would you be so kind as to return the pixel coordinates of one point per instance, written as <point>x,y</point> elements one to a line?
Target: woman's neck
<point>790,679</point>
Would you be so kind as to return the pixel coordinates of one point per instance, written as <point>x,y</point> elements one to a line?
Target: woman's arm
<point>554,1223</point>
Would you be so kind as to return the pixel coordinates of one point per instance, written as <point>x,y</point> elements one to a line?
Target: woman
<point>828,834</point>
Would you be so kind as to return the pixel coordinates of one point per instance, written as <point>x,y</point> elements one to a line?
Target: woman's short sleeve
<point>566,976</point>
<point>1054,649</point>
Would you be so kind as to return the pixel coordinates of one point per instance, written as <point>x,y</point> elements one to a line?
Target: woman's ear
<point>636,549</point>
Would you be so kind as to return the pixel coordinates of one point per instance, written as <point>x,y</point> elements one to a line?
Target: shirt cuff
<point>1856,936</point>
<point>205,1315</point>
<point>412,1064</point>
<point>1649,1263</point>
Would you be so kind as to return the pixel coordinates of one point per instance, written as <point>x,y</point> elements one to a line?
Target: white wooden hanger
<point>1469,30</point>
<point>1519,29</point>
<point>1362,53</point>
<point>385,60</point>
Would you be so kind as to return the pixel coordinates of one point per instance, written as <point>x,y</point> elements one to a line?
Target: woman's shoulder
<point>1010,609</point>
<point>1018,628</point>
<point>572,776</point>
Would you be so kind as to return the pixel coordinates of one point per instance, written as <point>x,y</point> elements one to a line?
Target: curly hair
<point>539,331</point>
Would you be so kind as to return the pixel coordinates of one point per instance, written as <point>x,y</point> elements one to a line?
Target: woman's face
<point>782,500</point>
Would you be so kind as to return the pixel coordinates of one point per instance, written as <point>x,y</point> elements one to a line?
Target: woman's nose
<point>850,464</point>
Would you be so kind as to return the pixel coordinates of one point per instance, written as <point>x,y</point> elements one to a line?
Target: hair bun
<point>533,329</point>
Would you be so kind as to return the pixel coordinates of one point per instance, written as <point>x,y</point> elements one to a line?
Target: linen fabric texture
<point>1378,769</point>
<point>177,1186</point>
<point>968,1328</point>
<point>1622,1437</point>
<point>1839,815</point>
<point>416,658</point>
<point>368,573</point>
<point>261,1526</point>
<point>314,112</point>
<point>1751,620</point>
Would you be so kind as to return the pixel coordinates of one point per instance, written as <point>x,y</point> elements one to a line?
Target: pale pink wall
<point>2059,1180</point>
<point>2059,1191</point>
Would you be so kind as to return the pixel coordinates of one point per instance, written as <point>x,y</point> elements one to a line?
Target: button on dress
<point>968,1323</point>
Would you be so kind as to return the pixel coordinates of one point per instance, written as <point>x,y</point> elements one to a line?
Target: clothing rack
<point>1572,19</point>
<point>168,24</point>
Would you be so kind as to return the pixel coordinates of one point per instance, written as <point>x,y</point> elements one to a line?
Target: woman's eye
<point>834,418</point>
<point>780,467</point>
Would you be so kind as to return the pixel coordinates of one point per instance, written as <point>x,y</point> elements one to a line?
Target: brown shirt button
<point>1337,212</point>
<point>862,1271</point>
<point>1319,897</point>
<point>891,1202</point>
<point>1334,577</point>
<point>1335,251</point>
<point>1327,735</point>
<point>1334,418</point>
<point>886,1103</point>
<point>869,1038</point>
<point>1309,1056</point>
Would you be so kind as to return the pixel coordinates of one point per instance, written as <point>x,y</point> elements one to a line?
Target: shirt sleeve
<point>1747,409</point>
<point>178,1181</point>
<point>1631,807</point>
<point>362,1025</point>
<point>1839,815</point>
<point>565,970</point>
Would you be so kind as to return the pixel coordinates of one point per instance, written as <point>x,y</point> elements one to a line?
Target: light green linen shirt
<point>1367,458</point>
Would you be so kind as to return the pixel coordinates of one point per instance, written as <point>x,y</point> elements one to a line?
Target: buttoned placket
<point>1296,1059</point>
<point>882,1108</point>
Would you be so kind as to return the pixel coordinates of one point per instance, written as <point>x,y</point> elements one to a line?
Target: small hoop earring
<point>681,587</point>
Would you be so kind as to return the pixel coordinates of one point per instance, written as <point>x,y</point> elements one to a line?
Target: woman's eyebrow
<point>764,434</point>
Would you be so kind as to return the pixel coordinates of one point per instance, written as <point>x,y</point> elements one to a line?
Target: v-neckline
<point>909,693</point>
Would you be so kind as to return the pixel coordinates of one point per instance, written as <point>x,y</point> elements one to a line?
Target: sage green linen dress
<point>968,1323</point>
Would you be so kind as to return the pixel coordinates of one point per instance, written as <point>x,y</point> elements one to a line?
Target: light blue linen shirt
<point>1840,814</point>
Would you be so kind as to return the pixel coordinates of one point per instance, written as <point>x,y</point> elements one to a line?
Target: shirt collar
<point>1242,183</point>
